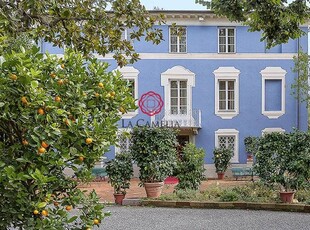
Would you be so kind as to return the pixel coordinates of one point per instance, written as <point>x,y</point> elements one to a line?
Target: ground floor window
<point>228,138</point>
<point>123,141</point>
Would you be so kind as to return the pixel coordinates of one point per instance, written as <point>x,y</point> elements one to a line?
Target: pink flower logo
<point>151,103</point>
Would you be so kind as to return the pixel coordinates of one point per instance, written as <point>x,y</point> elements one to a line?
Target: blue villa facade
<point>218,84</point>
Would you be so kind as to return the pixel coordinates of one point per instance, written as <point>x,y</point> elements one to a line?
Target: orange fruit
<point>122,110</point>
<point>35,212</point>
<point>112,93</point>
<point>96,221</point>
<point>56,203</point>
<point>60,82</point>
<point>41,111</point>
<point>52,75</point>
<point>100,84</point>
<point>13,77</point>
<point>57,99</point>
<point>24,100</point>
<point>25,142</point>
<point>67,122</point>
<point>41,150</point>
<point>68,207</point>
<point>97,95</point>
<point>44,213</point>
<point>62,66</point>
<point>81,158</point>
<point>88,140</point>
<point>44,144</point>
<point>88,228</point>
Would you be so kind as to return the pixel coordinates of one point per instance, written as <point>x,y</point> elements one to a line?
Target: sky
<point>172,4</point>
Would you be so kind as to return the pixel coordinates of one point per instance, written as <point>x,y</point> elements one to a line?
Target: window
<point>228,138</point>
<point>178,99</point>
<point>226,95</point>
<point>226,92</point>
<point>123,141</point>
<point>226,40</point>
<point>273,92</point>
<point>178,39</point>
<point>130,74</point>
<point>178,83</point>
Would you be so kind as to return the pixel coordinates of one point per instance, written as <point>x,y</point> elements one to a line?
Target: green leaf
<point>42,204</point>
<point>72,219</point>
<point>34,84</point>
<point>2,104</point>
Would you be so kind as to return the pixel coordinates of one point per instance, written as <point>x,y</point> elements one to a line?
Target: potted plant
<point>221,158</point>
<point>120,171</point>
<point>283,159</point>
<point>250,144</point>
<point>154,151</point>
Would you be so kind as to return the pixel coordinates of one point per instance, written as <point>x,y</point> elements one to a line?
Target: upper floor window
<point>226,92</point>
<point>126,36</point>
<point>130,74</point>
<point>226,95</point>
<point>178,83</point>
<point>178,39</point>
<point>226,40</point>
<point>178,97</point>
<point>273,92</point>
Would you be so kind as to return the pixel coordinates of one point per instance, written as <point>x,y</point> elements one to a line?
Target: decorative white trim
<point>273,73</point>
<point>229,132</point>
<point>226,73</point>
<point>271,130</point>
<point>130,73</point>
<point>177,73</point>
<point>204,56</point>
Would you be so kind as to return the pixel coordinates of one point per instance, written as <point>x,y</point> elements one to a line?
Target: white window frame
<point>178,40</point>
<point>273,73</point>
<point>226,42</point>
<point>272,130</point>
<point>177,73</point>
<point>226,74</point>
<point>126,36</point>
<point>229,132</point>
<point>120,131</point>
<point>130,73</point>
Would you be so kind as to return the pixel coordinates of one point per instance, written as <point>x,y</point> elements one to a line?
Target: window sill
<point>273,114</point>
<point>226,115</point>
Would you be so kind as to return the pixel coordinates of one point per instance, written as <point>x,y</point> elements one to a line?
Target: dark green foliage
<point>229,195</point>
<point>279,20</point>
<point>221,157</point>
<point>250,144</point>
<point>154,151</point>
<point>190,167</point>
<point>284,159</point>
<point>120,171</point>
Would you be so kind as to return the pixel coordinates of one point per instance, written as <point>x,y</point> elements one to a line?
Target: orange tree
<point>55,114</point>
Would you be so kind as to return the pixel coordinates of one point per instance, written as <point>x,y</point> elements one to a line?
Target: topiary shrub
<point>190,167</point>
<point>221,157</point>
<point>120,171</point>
<point>154,151</point>
<point>54,114</point>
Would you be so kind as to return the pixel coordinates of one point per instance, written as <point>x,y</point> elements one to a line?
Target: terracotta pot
<point>119,197</point>
<point>220,175</point>
<point>287,197</point>
<point>153,190</point>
